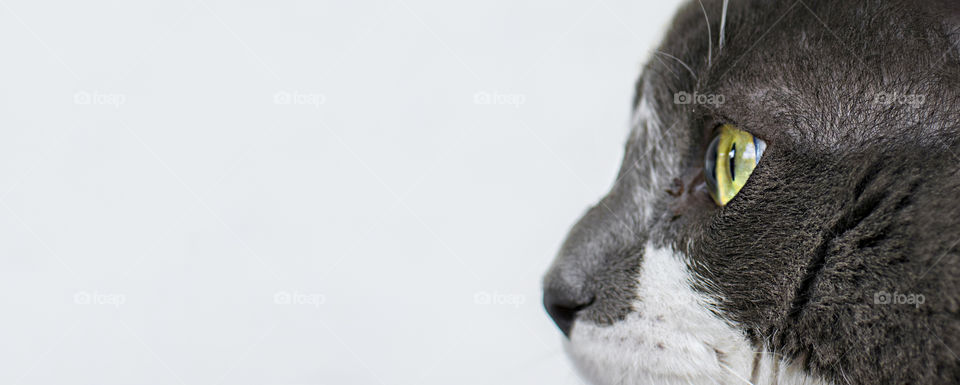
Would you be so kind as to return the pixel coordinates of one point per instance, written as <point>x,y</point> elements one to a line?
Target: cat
<point>788,206</point>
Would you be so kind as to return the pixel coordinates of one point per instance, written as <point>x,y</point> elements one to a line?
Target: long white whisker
<point>723,22</point>
<point>709,36</point>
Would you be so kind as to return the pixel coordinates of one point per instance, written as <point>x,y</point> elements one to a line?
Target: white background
<point>335,192</point>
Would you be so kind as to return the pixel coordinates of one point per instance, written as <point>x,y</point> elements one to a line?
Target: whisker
<point>668,67</point>
<point>681,63</point>
<point>709,36</point>
<point>723,22</point>
<point>729,369</point>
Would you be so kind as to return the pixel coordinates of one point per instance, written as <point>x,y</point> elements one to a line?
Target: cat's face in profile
<point>788,208</point>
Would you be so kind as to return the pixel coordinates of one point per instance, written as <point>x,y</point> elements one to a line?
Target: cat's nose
<point>571,285</point>
<point>562,305</point>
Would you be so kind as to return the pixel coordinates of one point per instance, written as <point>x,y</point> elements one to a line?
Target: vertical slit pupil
<point>733,159</point>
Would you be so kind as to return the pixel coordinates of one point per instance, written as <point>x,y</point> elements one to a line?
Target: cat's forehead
<point>826,74</point>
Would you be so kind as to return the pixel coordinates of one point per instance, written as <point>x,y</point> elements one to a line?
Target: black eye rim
<point>710,163</point>
<point>712,125</point>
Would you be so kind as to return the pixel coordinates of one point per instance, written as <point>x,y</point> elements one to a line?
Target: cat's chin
<point>634,352</point>
<point>637,351</point>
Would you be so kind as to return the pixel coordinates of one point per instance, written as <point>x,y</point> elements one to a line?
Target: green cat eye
<point>730,159</point>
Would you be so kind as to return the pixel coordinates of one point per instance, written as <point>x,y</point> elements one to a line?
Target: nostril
<point>563,309</point>
<point>563,316</point>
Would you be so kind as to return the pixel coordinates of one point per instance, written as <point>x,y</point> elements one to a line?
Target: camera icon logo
<point>881,298</point>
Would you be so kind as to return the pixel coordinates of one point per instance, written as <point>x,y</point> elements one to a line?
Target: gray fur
<point>853,197</point>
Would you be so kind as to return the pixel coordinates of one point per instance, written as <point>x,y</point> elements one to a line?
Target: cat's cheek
<point>673,336</point>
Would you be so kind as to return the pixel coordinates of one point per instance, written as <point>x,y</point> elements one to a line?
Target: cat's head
<point>835,261</point>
